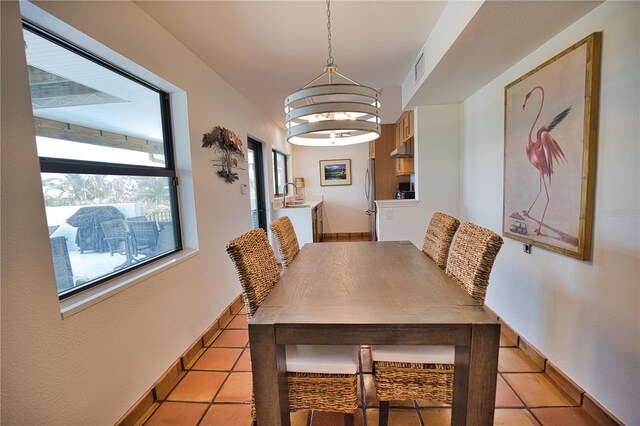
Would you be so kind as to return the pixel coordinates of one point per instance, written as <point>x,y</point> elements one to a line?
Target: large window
<point>106,161</point>
<point>279,172</point>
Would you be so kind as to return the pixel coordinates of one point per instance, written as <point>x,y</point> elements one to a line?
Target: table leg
<point>474,383</point>
<point>268,362</point>
<point>460,386</point>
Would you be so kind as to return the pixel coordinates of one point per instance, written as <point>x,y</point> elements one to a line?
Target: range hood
<point>405,150</point>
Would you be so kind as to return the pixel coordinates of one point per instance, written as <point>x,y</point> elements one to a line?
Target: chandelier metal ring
<point>334,113</point>
<point>329,107</point>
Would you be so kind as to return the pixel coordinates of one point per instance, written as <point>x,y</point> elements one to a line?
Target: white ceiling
<point>268,49</point>
<point>499,35</point>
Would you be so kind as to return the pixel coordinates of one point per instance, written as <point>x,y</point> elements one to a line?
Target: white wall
<point>455,17</point>
<point>91,367</point>
<point>437,166</point>
<point>584,316</point>
<point>344,206</point>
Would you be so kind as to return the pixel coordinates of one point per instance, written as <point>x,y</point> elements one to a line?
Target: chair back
<point>288,246</point>
<point>256,265</point>
<point>145,236</point>
<point>472,255</point>
<point>61,263</point>
<point>115,234</point>
<point>437,240</point>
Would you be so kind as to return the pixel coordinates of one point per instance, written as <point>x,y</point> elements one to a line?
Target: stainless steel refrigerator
<point>370,192</point>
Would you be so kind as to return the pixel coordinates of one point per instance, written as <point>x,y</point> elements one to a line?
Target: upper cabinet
<point>385,166</point>
<point>404,127</point>
<point>404,166</point>
<point>404,144</point>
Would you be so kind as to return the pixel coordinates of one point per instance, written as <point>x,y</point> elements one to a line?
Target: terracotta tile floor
<point>216,390</point>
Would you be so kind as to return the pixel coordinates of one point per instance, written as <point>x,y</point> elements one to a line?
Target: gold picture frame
<point>335,172</point>
<point>550,131</point>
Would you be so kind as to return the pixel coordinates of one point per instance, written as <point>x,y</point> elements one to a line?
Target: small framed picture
<point>335,172</point>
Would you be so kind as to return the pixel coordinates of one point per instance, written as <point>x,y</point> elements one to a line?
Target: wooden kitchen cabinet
<point>408,125</point>
<point>307,221</point>
<point>404,132</point>
<point>385,165</point>
<point>316,221</point>
<point>404,127</point>
<point>404,166</point>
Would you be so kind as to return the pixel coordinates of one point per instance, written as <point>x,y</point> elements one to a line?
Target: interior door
<point>256,184</point>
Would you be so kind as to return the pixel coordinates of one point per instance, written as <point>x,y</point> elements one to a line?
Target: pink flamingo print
<point>543,152</point>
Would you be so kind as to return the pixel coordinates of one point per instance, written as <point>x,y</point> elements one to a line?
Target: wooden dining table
<point>373,293</point>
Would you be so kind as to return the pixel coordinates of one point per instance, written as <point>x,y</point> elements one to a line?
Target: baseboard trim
<point>557,376</point>
<point>142,409</point>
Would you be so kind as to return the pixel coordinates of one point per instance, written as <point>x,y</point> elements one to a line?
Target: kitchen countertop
<point>397,203</point>
<point>309,204</point>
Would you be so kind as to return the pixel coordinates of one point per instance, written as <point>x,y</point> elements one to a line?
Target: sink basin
<point>294,206</point>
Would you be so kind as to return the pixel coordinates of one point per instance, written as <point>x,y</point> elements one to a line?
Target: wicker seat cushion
<point>471,259</point>
<point>256,265</point>
<point>437,240</point>
<point>285,234</point>
<point>427,372</point>
<point>323,359</point>
<point>319,377</point>
<point>414,354</point>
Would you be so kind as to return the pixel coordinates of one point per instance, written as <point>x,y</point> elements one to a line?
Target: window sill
<point>86,299</point>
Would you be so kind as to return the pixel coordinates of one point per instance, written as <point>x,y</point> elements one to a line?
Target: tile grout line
<point>534,416</point>
<point>528,408</point>
<point>419,412</point>
<point>231,316</point>
<point>193,363</point>
<point>513,390</point>
<point>212,403</point>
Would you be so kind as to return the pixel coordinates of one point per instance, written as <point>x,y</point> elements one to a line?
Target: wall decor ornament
<point>335,172</point>
<point>229,145</point>
<point>550,128</point>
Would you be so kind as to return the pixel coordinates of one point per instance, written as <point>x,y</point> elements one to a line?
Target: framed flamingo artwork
<point>550,128</point>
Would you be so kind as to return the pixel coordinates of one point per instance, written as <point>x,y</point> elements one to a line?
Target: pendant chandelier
<point>332,114</point>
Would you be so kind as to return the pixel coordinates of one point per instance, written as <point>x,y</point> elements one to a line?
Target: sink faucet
<point>284,193</point>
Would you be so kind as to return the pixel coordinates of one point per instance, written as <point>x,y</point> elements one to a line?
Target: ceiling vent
<point>418,68</point>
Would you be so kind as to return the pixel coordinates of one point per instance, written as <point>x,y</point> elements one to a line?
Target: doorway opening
<point>256,184</point>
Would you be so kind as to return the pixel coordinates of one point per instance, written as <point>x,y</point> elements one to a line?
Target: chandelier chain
<point>330,59</point>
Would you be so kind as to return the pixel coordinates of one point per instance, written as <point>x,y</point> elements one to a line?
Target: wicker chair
<point>438,238</point>
<point>310,386</point>
<point>287,240</point>
<point>115,234</point>
<point>426,372</point>
<point>145,236</point>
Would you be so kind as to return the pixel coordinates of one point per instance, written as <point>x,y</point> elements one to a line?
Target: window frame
<point>276,190</point>
<point>72,166</point>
